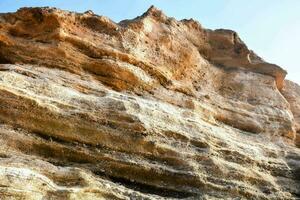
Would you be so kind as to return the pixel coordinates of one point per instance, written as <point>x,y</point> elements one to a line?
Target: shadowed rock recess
<point>148,108</point>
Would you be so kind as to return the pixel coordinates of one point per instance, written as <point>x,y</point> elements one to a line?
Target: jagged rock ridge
<point>149,108</point>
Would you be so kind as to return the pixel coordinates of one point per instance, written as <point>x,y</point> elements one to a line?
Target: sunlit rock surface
<point>148,108</point>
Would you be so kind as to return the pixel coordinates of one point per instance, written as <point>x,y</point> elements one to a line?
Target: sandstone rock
<point>148,108</point>
<point>291,92</point>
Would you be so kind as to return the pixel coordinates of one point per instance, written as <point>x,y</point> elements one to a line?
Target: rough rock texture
<point>149,108</point>
<point>291,92</point>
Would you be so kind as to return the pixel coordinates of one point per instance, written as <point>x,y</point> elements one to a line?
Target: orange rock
<point>148,108</point>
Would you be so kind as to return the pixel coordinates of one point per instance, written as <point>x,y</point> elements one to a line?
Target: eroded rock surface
<point>291,92</point>
<point>149,108</point>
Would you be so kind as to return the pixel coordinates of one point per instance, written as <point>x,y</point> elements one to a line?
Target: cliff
<point>148,108</point>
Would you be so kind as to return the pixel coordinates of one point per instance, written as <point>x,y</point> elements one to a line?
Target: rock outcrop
<point>148,108</point>
<point>291,92</point>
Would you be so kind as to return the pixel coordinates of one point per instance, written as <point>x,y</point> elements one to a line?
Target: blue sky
<point>269,27</point>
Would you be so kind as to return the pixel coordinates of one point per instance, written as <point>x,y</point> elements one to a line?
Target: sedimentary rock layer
<point>148,108</point>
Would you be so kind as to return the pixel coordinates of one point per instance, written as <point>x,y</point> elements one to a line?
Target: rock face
<point>149,108</point>
<point>291,92</point>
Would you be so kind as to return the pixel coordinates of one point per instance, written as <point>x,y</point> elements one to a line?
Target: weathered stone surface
<point>149,108</point>
<point>291,92</point>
